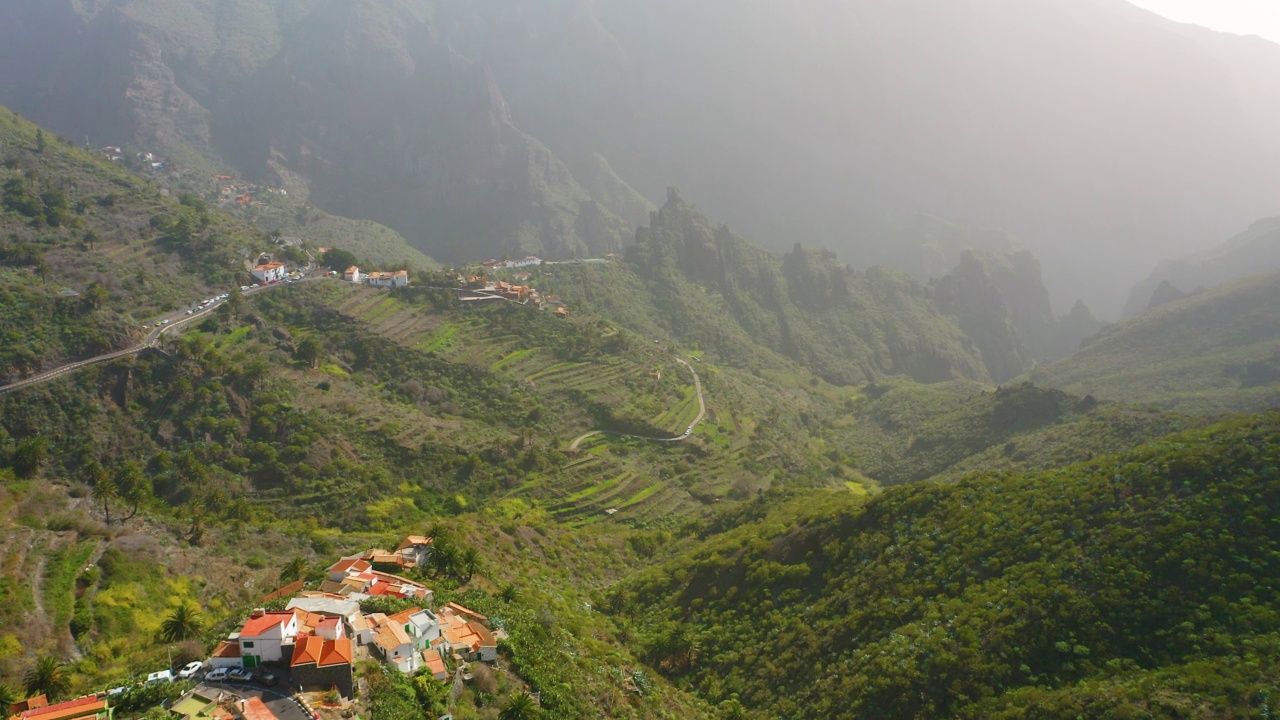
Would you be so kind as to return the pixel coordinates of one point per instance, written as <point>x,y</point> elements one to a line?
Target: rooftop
<point>255,709</point>
<point>88,705</point>
<point>255,626</point>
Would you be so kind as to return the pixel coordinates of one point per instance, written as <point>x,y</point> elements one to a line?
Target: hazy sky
<point>1246,17</point>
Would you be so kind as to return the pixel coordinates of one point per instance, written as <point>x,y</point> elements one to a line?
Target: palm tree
<point>509,594</point>
<point>183,623</point>
<point>47,677</point>
<point>8,696</point>
<point>520,707</point>
<point>468,562</point>
<point>295,569</point>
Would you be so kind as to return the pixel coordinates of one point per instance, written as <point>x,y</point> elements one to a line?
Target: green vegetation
<point>1212,353</point>
<point>1060,591</point>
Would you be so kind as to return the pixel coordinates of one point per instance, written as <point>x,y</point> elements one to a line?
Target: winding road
<point>702,412</point>
<point>176,319</point>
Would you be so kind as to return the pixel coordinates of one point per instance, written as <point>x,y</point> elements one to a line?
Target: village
<point>300,662</point>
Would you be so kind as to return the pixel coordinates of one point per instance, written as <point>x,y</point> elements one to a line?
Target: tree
<point>91,238</point>
<point>295,569</point>
<point>310,351</point>
<point>468,563</point>
<point>338,260</point>
<point>184,623</point>
<point>520,707</point>
<point>47,676</point>
<point>96,295</point>
<point>235,302</point>
<point>105,489</point>
<point>40,141</point>
<point>8,696</point>
<point>29,456</point>
<point>509,593</point>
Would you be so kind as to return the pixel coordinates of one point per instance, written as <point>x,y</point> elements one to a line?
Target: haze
<point>1243,17</point>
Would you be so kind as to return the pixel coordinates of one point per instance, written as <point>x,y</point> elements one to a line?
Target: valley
<point>363,359</point>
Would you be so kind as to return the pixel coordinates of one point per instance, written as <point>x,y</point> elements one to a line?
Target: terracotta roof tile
<point>253,627</point>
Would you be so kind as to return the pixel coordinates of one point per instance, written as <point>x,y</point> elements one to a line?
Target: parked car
<point>239,675</point>
<point>160,676</point>
<point>255,285</point>
<point>244,287</point>
<point>190,669</point>
<point>268,679</point>
<point>216,675</point>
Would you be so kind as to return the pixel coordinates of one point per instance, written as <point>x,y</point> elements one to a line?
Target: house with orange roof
<point>352,274</point>
<point>395,647</point>
<point>269,272</point>
<point>348,566</point>
<point>31,703</point>
<point>264,635</point>
<point>89,707</point>
<point>421,625</point>
<point>416,550</point>
<point>253,708</point>
<point>467,639</point>
<point>434,664</point>
<point>323,663</point>
<point>226,655</point>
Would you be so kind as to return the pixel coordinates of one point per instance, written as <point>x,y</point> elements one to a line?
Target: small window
<point>247,645</point>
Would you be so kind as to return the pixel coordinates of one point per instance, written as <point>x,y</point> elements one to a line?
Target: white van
<point>160,676</point>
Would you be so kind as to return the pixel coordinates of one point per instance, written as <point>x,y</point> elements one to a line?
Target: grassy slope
<point>134,257</point>
<point>1192,355</point>
<point>1137,585</point>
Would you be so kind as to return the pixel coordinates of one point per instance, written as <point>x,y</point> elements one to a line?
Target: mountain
<point>1252,252</point>
<point>694,394</point>
<point>1000,301</point>
<point>515,127</point>
<point>1136,585</point>
<point>1213,352</point>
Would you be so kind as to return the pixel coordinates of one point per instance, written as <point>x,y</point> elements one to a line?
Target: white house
<point>346,567</point>
<point>352,274</point>
<point>399,278</point>
<point>264,635</point>
<point>269,272</point>
<point>416,550</point>
<point>421,626</point>
<point>396,648</point>
<point>331,628</point>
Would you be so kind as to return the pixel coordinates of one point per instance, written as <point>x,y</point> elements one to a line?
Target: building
<point>264,635</point>
<point>347,567</point>
<point>434,664</point>
<point>89,707</point>
<point>467,639</point>
<point>416,550</point>
<point>322,663</point>
<point>399,278</point>
<point>395,647</point>
<point>253,708</point>
<point>226,655</point>
<point>422,626</point>
<point>269,272</point>
<point>352,274</point>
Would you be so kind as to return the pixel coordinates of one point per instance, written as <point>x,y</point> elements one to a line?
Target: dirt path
<point>702,413</point>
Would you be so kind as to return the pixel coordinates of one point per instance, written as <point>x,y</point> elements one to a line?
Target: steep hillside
<point>711,290</point>
<point>1211,353</point>
<point>1139,585</point>
<point>509,127</point>
<point>1252,252</point>
<point>89,251</point>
